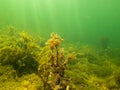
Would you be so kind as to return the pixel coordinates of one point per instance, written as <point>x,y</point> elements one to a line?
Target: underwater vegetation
<point>52,73</point>
<point>105,42</point>
<point>27,63</point>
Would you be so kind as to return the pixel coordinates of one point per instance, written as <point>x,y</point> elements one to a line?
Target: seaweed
<point>52,73</point>
<point>28,63</point>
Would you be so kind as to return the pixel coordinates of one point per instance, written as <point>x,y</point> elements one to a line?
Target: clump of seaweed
<point>19,50</point>
<point>105,42</point>
<point>52,73</point>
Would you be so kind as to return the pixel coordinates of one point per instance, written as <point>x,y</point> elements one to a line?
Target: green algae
<point>26,65</point>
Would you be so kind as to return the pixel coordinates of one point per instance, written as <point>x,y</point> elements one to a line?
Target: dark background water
<point>85,21</point>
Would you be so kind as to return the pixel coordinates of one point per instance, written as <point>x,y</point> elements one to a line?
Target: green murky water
<point>78,20</point>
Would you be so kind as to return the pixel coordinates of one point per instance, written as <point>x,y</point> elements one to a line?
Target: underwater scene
<point>59,45</point>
